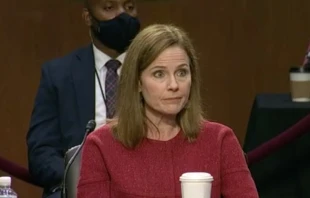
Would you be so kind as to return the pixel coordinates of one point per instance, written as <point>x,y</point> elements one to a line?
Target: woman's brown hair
<point>130,124</point>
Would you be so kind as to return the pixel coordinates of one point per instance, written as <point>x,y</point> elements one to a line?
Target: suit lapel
<point>83,74</point>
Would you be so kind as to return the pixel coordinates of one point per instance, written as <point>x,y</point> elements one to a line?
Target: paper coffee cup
<point>300,84</point>
<point>196,185</point>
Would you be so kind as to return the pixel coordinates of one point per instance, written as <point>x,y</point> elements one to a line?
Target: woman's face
<point>165,84</point>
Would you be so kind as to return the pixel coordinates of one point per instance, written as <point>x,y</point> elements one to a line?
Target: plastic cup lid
<point>299,70</point>
<point>5,181</point>
<point>197,176</point>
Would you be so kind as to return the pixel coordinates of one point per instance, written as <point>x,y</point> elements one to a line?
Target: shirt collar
<point>101,58</point>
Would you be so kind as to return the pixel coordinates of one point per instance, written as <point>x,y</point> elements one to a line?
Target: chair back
<point>73,173</point>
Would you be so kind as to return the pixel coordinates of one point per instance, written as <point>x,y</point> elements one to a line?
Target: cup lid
<point>5,181</point>
<point>300,69</point>
<point>201,176</point>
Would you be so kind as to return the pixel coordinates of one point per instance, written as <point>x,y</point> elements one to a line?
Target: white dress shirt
<point>100,60</point>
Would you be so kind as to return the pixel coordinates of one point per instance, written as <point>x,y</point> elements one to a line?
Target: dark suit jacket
<point>65,102</point>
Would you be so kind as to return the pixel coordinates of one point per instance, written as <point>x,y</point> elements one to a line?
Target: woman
<point>159,132</point>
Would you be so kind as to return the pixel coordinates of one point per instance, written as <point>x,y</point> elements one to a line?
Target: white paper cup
<point>196,185</point>
<point>300,84</point>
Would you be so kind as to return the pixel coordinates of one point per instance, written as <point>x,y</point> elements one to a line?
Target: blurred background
<point>245,48</point>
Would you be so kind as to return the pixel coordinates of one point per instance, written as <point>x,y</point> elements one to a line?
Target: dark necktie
<point>111,86</point>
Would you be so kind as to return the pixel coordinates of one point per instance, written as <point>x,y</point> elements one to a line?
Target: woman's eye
<point>182,72</point>
<point>158,74</point>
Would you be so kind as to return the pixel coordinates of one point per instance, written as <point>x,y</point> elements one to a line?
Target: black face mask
<point>118,32</point>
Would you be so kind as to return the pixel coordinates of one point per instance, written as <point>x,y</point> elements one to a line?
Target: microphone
<point>91,125</point>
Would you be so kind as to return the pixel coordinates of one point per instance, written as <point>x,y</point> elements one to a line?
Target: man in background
<point>77,88</point>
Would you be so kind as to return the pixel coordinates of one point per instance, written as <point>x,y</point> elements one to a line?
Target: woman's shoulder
<point>215,130</point>
<point>102,134</point>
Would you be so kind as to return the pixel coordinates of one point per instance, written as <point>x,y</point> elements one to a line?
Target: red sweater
<point>109,170</point>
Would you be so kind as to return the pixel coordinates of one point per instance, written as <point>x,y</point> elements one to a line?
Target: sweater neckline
<point>179,134</point>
